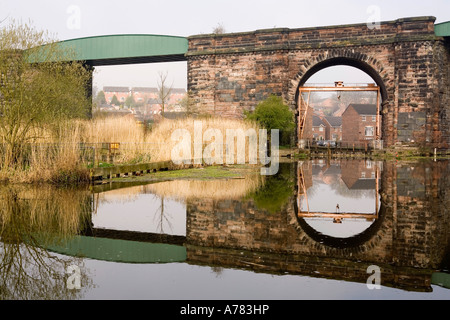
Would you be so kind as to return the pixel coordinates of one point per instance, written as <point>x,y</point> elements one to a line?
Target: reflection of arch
<point>362,240</point>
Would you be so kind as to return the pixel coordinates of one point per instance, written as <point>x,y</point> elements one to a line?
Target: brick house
<point>143,94</point>
<point>120,92</point>
<point>176,95</point>
<point>333,130</point>
<point>359,123</point>
<point>318,128</point>
<point>145,97</point>
<point>359,175</point>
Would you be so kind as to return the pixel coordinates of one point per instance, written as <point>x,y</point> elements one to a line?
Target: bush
<point>271,114</point>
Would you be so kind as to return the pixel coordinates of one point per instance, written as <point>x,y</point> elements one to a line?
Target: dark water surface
<point>338,229</point>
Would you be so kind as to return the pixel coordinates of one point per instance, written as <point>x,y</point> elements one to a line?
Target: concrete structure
<point>230,73</point>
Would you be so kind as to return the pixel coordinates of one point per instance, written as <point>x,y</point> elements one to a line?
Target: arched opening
<point>346,62</point>
<point>339,101</point>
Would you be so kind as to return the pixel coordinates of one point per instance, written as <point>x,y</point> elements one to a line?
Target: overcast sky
<point>82,18</point>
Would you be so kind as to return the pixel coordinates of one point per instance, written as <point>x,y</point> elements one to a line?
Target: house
<point>120,92</point>
<point>359,123</point>
<point>176,95</point>
<point>318,128</point>
<point>143,94</point>
<point>359,175</point>
<point>333,130</point>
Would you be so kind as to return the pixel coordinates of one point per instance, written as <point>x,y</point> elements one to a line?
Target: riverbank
<point>166,170</point>
<point>395,153</point>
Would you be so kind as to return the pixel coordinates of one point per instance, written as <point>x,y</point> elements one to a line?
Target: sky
<point>82,18</point>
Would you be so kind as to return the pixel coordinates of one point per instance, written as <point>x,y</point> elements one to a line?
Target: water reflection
<point>322,219</point>
<point>31,219</point>
<point>340,218</point>
<point>332,193</point>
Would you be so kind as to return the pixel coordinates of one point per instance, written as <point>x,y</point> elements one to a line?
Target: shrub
<point>271,114</point>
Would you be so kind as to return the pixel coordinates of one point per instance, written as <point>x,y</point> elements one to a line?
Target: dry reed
<point>61,155</point>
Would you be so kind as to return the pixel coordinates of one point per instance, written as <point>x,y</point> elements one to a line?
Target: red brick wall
<point>354,128</point>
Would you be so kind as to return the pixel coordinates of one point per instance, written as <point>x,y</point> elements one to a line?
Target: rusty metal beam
<point>368,216</point>
<point>328,89</point>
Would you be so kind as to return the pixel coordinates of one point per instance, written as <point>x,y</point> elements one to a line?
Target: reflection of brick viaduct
<point>229,73</point>
<point>408,242</point>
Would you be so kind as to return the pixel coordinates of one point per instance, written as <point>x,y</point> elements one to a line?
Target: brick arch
<point>348,57</point>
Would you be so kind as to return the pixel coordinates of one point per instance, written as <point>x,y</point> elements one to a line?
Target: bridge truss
<point>304,106</point>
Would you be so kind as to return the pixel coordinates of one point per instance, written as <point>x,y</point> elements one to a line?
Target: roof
<point>154,101</point>
<point>364,184</point>
<point>116,89</point>
<point>317,122</point>
<point>334,121</point>
<point>178,90</point>
<point>364,109</point>
<point>144,89</point>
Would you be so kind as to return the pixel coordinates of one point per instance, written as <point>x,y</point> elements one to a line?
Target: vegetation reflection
<point>30,219</point>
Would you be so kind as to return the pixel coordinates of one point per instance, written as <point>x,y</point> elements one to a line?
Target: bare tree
<point>36,95</point>
<point>219,29</point>
<point>164,91</point>
<point>189,105</point>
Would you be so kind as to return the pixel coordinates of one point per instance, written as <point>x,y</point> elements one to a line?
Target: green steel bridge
<point>122,49</point>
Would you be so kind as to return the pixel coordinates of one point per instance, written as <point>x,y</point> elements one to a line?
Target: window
<point>374,118</point>
<point>369,132</point>
<point>321,129</point>
<point>363,118</point>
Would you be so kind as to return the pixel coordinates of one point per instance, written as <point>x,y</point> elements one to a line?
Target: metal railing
<point>354,146</point>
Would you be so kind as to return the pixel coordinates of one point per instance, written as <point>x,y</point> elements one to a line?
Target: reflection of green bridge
<point>124,246</point>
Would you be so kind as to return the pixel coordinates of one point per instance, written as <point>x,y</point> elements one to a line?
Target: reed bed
<point>63,154</point>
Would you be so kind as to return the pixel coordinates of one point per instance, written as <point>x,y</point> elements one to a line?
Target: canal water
<point>320,229</point>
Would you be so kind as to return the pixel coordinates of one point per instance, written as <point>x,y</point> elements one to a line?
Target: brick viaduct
<point>230,73</point>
